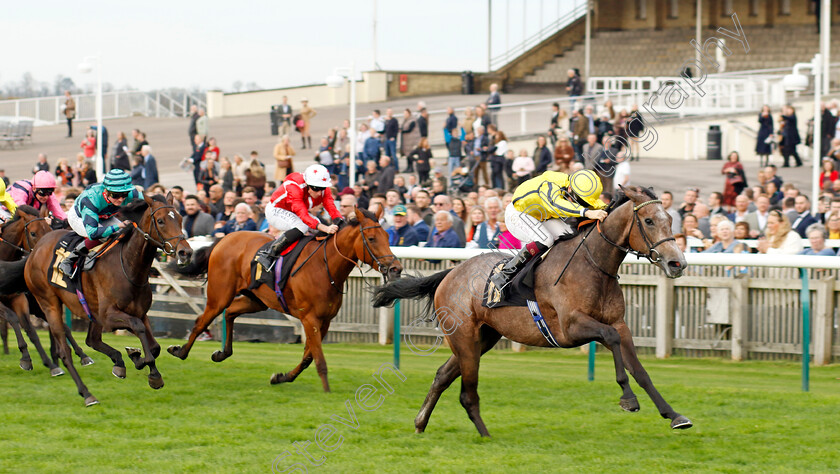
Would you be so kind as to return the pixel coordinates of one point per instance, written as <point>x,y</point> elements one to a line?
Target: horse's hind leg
<point>639,373</point>
<point>308,357</point>
<point>241,305</point>
<point>4,335</point>
<point>12,318</point>
<point>446,374</point>
<point>219,297</point>
<point>20,305</point>
<point>52,308</point>
<point>94,340</point>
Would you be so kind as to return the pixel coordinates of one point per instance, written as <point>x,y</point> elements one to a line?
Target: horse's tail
<point>11,277</point>
<point>198,262</point>
<point>409,287</point>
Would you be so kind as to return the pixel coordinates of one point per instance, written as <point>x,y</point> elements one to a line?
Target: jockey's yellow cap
<point>2,188</point>
<point>587,185</point>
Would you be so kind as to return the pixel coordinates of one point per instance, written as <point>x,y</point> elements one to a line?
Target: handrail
<point>705,259</point>
<point>744,127</point>
<point>500,60</point>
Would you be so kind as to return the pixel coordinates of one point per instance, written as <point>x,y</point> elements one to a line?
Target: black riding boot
<point>66,265</point>
<point>266,257</point>
<point>514,265</point>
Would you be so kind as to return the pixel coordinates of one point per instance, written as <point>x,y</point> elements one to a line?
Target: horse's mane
<point>366,213</point>
<point>134,211</point>
<point>620,197</point>
<point>21,209</point>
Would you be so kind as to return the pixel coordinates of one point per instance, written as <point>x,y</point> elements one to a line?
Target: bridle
<point>163,244</point>
<point>382,268</point>
<point>652,255</point>
<point>26,235</point>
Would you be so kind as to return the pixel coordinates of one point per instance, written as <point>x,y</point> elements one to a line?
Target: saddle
<point>64,247</point>
<point>282,269</point>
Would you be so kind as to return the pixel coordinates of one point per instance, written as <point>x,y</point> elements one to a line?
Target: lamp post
<point>85,67</point>
<point>338,79</point>
<point>799,82</point>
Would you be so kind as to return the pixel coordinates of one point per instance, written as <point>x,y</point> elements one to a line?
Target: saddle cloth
<point>283,265</point>
<point>63,248</point>
<point>518,291</point>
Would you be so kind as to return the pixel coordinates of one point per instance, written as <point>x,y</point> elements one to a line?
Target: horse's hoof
<point>278,378</point>
<point>86,361</point>
<point>91,401</point>
<point>26,365</point>
<point>56,371</point>
<point>681,423</point>
<point>629,404</point>
<point>175,351</point>
<point>119,372</point>
<point>132,352</point>
<point>156,382</point>
<point>218,356</point>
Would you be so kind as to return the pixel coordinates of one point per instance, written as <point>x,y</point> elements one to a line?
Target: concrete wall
<point>423,83</point>
<point>372,88</point>
<point>622,14</point>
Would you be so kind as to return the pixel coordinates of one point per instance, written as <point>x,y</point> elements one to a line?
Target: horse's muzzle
<point>394,272</point>
<point>184,256</point>
<point>674,268</point>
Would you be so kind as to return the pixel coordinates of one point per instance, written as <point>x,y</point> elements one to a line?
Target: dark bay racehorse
<point>117,289</point>
<point>586,305</point>
<point>313,295</point>
<point>18,237</point>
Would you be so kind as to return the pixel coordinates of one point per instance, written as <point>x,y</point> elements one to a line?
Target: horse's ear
<point>379,211</point>
<point>148,198</point>
<point>359,215</point>
<point>170,198</point>
<point>45,211</point>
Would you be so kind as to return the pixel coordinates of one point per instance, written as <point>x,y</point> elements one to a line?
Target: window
<point>673,9</point>
<point>726,9</point>
<point>641,9</point>
<point>754,7</point>
<point>784,7</point>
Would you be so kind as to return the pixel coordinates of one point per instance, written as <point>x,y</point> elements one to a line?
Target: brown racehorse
<point>313,295</point>
<point>117,289</point>
<point>586,305</point>
<point>18,237</point>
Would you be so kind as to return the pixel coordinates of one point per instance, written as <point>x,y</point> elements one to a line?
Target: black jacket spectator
<point>392,128</point>
<point>423,126</point>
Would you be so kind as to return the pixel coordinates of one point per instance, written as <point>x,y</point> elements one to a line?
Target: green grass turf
<point>542,412</point>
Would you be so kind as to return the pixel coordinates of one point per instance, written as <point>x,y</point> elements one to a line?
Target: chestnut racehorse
<point>313,294</point>
<point>585,305</point>
<point>117,289</point>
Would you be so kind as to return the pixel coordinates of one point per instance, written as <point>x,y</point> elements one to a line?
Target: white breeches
<point>528,228</point>
<point>284,220</point>
<point>78,225</point>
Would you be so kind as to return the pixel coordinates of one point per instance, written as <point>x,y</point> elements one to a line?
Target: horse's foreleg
<point>141,329</point>
<point>241,305</point>
<point>469,358</point>
<point>83,358</point>
<point>94,340</point>
<point>20,305</point>
<point>631,360</point>
<point>585,329</point>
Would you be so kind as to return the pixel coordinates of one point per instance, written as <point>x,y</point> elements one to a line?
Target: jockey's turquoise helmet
<point>118,181</point>
<point>587,185</point>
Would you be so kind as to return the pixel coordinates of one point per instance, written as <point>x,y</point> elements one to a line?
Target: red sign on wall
<point>403,82</point>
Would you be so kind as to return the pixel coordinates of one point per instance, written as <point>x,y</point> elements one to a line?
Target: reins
<point>652,255</point>
<point>25,235</point>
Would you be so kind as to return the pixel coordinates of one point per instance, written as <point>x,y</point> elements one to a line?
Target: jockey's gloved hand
<point>338,221</point>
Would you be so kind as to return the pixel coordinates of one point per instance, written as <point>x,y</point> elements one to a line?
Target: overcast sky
<point>278,43</point>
